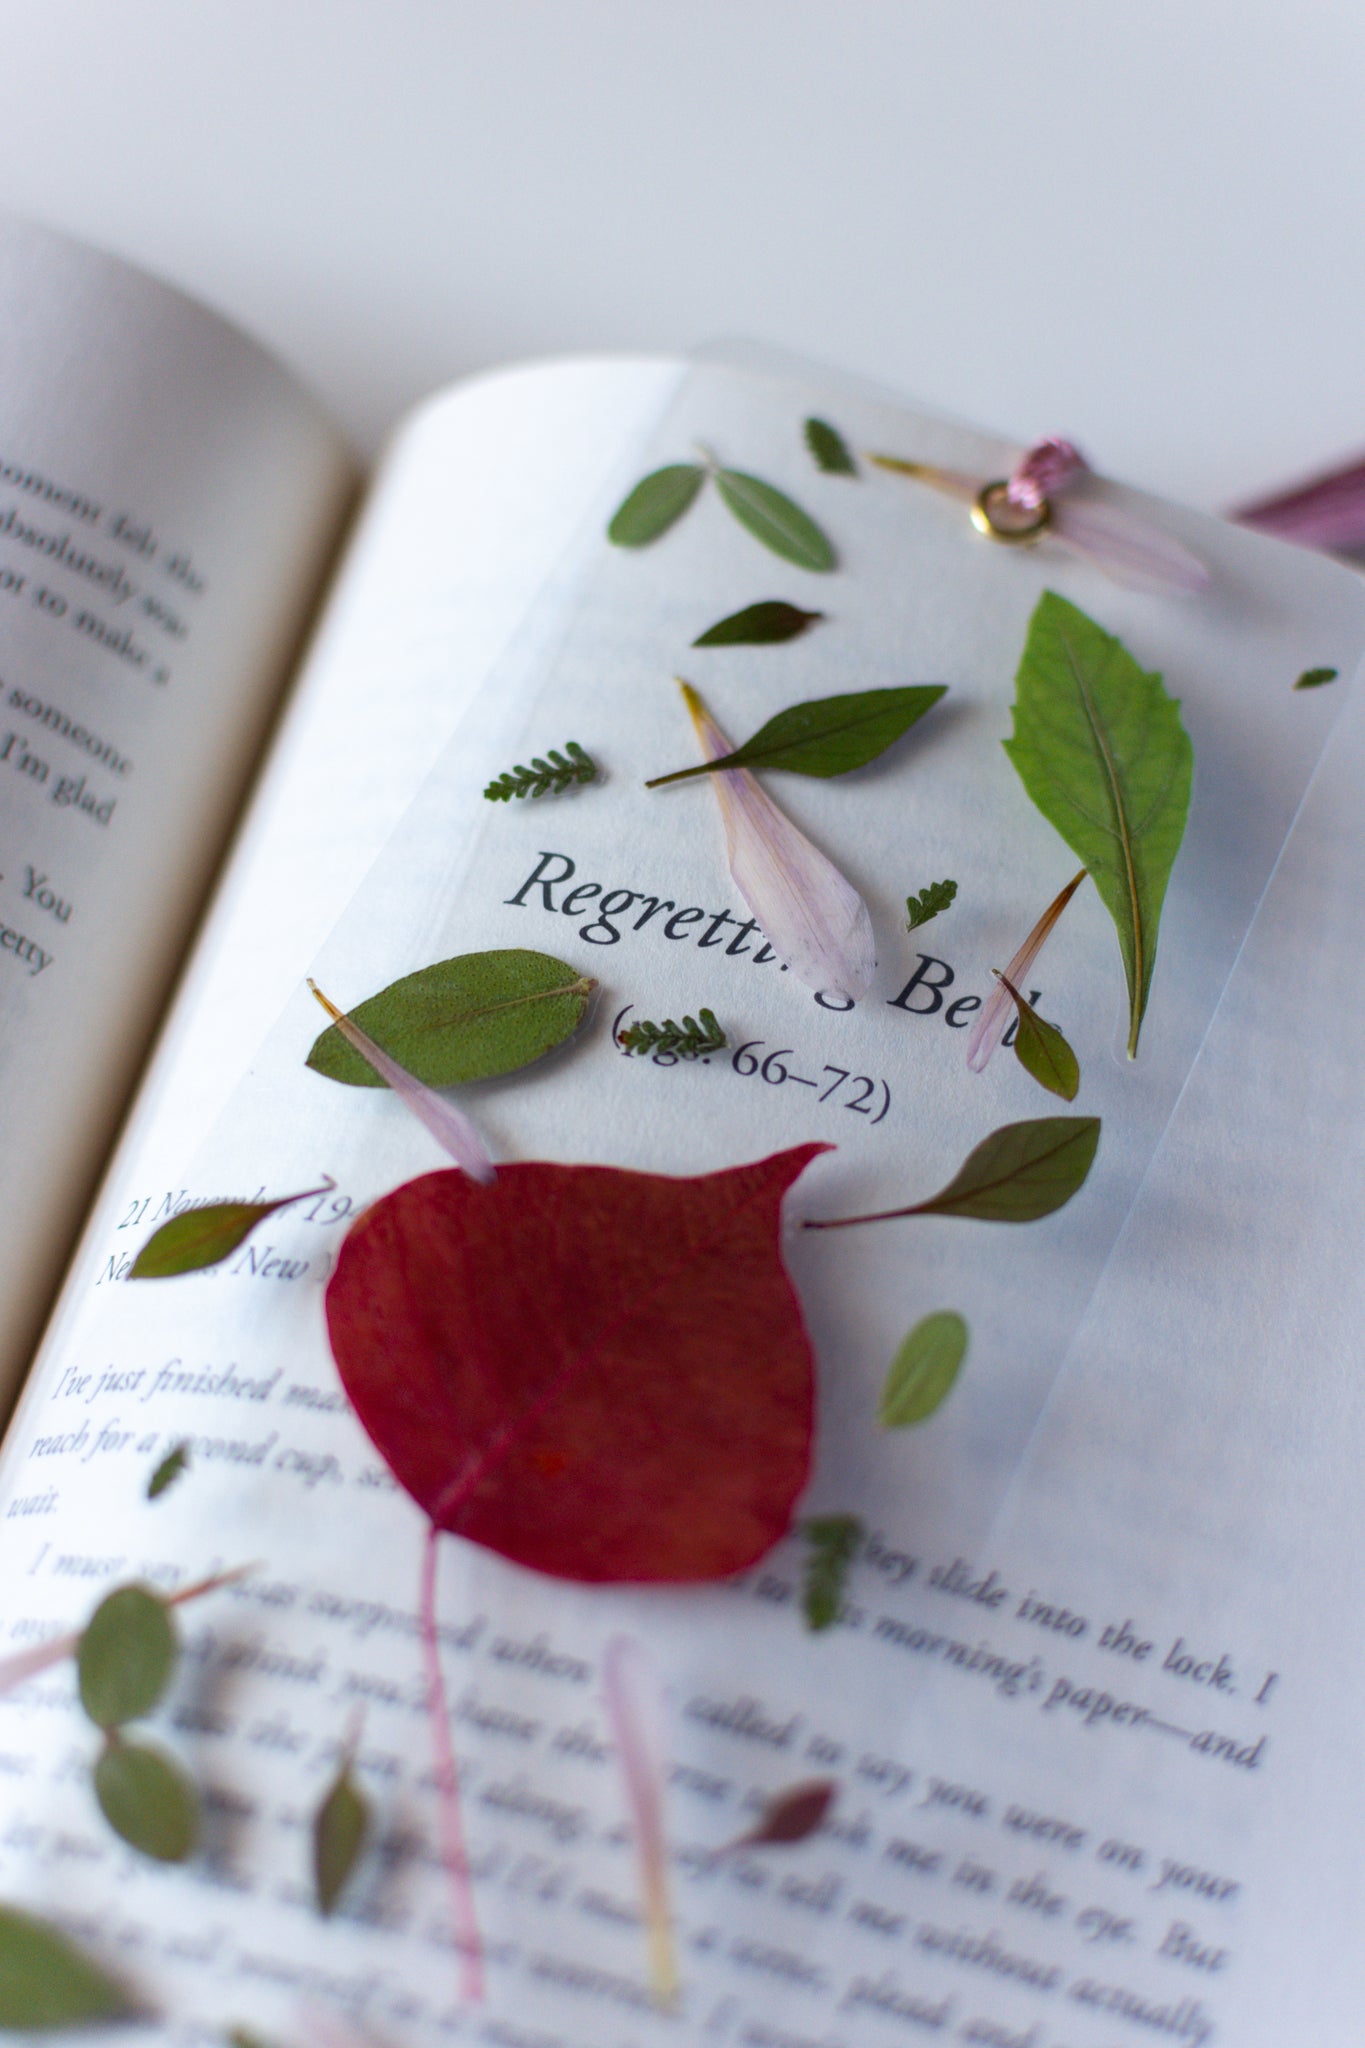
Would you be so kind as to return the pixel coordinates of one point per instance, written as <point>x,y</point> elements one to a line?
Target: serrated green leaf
<point>1312,678</point>
<point>1042,1051</point>
<point>466,1019</point>
<point>833,1541</point>
<point>168,1471</point>
<point>829,449</point>
<point>147,1800</point>
<point>340,1826</point>
<point>923,1370</point>
<point>201,1237</point>
<point>46,1981</point>
<point>759,625</point>
<point>657,502</point>
<point>1021,1172</point>
<point>827,736</point>
<point>772,518</point>
<point>931,901</point>
<point>1099,746</point>
<point>126,1656</point>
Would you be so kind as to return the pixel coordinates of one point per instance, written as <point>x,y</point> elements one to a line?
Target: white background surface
<point>1137,224</point>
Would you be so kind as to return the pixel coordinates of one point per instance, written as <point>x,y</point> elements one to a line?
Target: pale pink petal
<point>811,916</point>
<point>998,1007</point>
<point>1326,512</point>
<point>450,1127</point>
<point>27,1664</point>
<point>1047,467</point>
<point>1130,550</point>
<point>633,1697</point>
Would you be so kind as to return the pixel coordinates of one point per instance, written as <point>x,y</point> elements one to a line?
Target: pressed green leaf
<point>340,1826</point>
<point>1311,679</point>
<point>772,518</point>
<point>828,735</point>
<point>833,1541</point>
<point>1042,1051</point>
<point>1021,1172</point>
<point>168,1471</point>
<point>201,1237</point>
<point>923,1370</point>
<point>1099,746</point>
<point>694,1038</point>
<point>934,898</point>
<point>147,1800</point>
<point>45,1980</point>
<point>572,769</point>
<point>829,449</point>
<point>465,1019</point>
<point>656,503</point>
<point>126,1656</point>
<point>759,625</point>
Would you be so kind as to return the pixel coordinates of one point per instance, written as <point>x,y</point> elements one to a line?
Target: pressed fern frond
<point>688,1040</point>
<point>545,777</point>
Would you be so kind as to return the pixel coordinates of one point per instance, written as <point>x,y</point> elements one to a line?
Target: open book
<point>1083,1699</point>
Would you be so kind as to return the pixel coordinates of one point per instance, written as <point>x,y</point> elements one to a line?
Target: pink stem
<point>453,1853</point>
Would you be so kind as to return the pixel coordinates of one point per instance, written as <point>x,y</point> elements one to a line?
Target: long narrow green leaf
<point>1099,746</point>
<point>657,502</point>
<point>46,1982</point>
<point>827,736</point>
<point>767,624</point>
<point>340,1826</point>
<point>772,518</point>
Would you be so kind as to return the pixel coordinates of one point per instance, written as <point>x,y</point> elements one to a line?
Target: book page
<point>774,1948</point>
<point>167,499</point>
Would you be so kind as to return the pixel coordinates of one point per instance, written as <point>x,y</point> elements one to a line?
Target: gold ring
<point>995,515</point>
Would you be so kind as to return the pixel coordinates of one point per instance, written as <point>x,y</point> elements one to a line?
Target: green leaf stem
<point>657,502</point>
<point>340,1826</point>
<point>826,736</point>
<point>1099,746</point>
<point>772,518</point>
<point>759,625</point>
<point>931,901</point>
<point>1042,1051</point>
<point>829,449</point>
<point>466,1019</point>
<point>1017,1174</point>
<point>547,775</point>
<point>923,1370</point>
<point>126,1656</point>
<point>147,1800</point>
<point>46,1982</point>
<point>833,1541</point>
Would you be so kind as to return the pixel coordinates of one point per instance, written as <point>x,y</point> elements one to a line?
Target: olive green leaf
<point>934,898</point>
<point>1017,1174</point>
<point>829,449</point>
<point>126,1656</point>
<point>1042,1051</point>
<point>656,503</point>
<point>168,1471</point>
<point>693,1039</point>
<point>759,625</point>
<point>466,1019</point>
<point>572,769</point>
<point>923,1370</point>
<point>833,1541</point>
<point>1314,678</point>
<point>207,1235</point>
<point>826,736</point>
<point>46,1981</point>
<point>340,1826</point>
<point>147,1800</point>
<point>1099,746</point>
<point>772,518</point>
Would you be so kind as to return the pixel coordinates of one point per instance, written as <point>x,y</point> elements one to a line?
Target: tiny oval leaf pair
<point>660,499</point>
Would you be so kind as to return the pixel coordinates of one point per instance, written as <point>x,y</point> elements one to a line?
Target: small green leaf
<point>202,1237</point>
<point>1042,1051</point>
<point>147,1800</point>
<point>466,1019</point>
<point>934,898</point>
<point>833,1541</point>
<point>573,769</point>
<point>1099,746</point>
<point>1017,1174</point>
<point>923,1370</point>
<point>245,2037</point>
<point>689,1040</point>
<point>1311,679</point>
<point>168,1471</point>
<point>340,1826</point>
<point>759,625</point>
<point>46,1982</point>
<point>126,1656</point>
<point>772,518</point>
<point>656,503</point>
<point>829,449</point>
<point>826,736</point>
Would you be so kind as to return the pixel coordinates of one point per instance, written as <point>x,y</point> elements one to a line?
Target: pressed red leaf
<point>791,1815</point>
<point>599,1374</point>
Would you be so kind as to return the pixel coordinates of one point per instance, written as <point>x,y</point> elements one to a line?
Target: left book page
<point>169,497</point>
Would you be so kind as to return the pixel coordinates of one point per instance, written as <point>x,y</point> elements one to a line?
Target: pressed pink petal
<point>26,1664</point>
<point>450,1127</point>
<point>1043,470</point>
<point>810,915</point>
<point>1130,550</point>
<point>1326,512</point>
<point>998,1007</point>
<point>634,1701</point>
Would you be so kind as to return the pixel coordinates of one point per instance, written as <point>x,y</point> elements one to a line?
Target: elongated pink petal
<point>810,915</point>
<point>998,1007</point>
<point>1130,550</point>
<point>1047,467</point>
<point>1326,512</point>
<point>450,1127</point>
<point>27,1664</point>
<point>633,1698</point>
